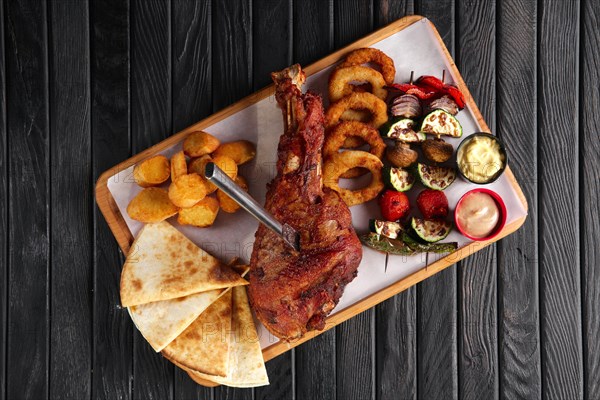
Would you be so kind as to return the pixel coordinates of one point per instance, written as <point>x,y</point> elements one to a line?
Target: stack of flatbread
<point>192,308</point>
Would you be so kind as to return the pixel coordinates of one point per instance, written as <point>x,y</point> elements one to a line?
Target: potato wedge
<point>200,143</point>
<point>178,166</point>
<point>151,205</point>
<point>202,214</point>
<point>152,171</point>
<point>227,164</point>
<point>227,204</point>
<point>187,190</point>
<point>197,166</point>
<point>240,151</point>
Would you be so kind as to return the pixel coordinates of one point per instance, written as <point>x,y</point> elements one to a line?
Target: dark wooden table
<point>85,84</point>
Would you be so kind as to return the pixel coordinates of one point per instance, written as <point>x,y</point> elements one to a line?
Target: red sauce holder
<point>501,220</point>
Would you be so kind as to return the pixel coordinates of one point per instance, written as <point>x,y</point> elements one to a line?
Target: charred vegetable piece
<point>431,81</point>
<point>437,178</point>
<point>388,229</point>
<point>437,150</point>
<point>423,92</point>
<point>386,245</point>
<point>402,130</point>
<point>401,155</point>
<point>418,246</point>
<point>431,230</point>
<point>445,103</point>
<point>437,85</point>
<point>406,106</point>
<point>439,122</point>
<point>456,95</point>
<point>398,179</point>
<point>433,204</point>
<point>394,205</point>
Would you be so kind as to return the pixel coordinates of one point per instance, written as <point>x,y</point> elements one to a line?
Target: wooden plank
<point>518,295</point>
<point>71,223</point>
<point>232,79</point>
<point>281,377</point>
<point>123,236</point>
<point>478,344</point>
<point>28,210</point>
<point>315,372</point>
<point>396,341</point>
<point>396,318</point>
<point>271,39</point>
<point>109,52</point>
<point>272,51</point>
<point>355,353</point>
<point>192,67</point>
<point>231,54</point>
<point>192,100</point>
<point>352,20</point>
<point>437,370</point>
<point>437,375</point>
<point>313,30</point>
<point>387,11</point>
<point>151,122</point>
<point>315,360</point>
<point>560,284</point>
<point>355,340</point>
<point>3,212</point>
<point>590,187</point>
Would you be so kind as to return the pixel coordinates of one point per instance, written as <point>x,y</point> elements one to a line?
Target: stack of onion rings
<point>342,162</point>
<point>374,56</point>
<point>337,137</point>
<point>358,101</point>
<point>357,94</point>
<point>341,78</point>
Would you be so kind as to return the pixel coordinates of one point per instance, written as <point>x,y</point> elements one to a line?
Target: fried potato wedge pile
<point>188,194</point>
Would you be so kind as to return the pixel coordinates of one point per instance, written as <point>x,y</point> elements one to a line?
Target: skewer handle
<point>220,179</point>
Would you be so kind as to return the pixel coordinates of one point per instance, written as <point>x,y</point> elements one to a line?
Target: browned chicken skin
<point>292,292</point>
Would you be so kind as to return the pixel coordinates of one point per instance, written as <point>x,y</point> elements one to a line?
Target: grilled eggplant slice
<point>436,178</point>
<point>398,179</point>
<point>388,229</point>
<point>440,122</point>
<point>402,130</point>
<point>431,230</point>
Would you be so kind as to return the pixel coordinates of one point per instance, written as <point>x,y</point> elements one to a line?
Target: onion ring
<point>370,55</point>
<point>357,101</point>
<point>355,115</point>
<point>341,78</point>
<point>347,129</point>
<point>342,162</point>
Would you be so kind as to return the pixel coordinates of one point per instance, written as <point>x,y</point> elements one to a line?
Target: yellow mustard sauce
<point>478,214</point>
<point>480,159</point>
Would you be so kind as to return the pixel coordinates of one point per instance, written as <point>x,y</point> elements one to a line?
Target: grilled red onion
<point>445,103</point>
<point>406,106</point>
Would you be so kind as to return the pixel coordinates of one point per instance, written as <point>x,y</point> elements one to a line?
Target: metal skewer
<point>220,179</point>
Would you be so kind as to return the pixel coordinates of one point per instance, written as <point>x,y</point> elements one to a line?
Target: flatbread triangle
<point>205,344</point>
<point>163,264</point>
<point>246,363</point>
<point>160,322</point>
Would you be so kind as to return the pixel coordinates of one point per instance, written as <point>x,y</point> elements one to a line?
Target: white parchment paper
<point>414,48</point>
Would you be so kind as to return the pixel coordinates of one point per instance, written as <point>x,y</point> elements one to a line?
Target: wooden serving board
<point>124,236</point>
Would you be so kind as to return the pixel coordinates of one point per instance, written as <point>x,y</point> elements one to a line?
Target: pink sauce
<point>478,214</point>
